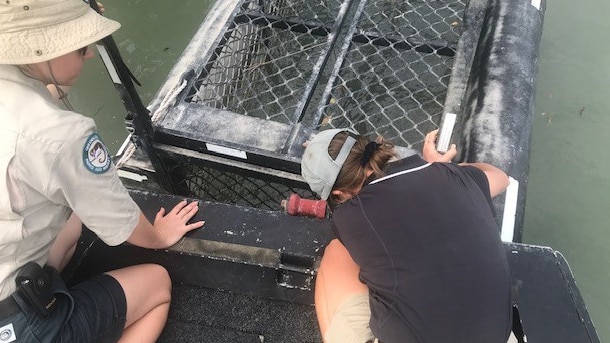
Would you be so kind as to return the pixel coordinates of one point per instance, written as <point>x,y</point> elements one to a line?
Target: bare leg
<point>337,279</point>
<point>65,243</point>
<point>147,289</point>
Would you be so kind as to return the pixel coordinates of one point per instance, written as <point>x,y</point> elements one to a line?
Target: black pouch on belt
<point>34,285</point>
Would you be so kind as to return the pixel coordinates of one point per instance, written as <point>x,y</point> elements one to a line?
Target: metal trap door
<point>252,88</point>
<point>393,69</point>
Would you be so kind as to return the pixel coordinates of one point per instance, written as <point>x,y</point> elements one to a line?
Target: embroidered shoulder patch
<point>95,155</point>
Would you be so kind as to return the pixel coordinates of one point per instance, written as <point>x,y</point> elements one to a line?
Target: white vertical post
<point>510,208</point>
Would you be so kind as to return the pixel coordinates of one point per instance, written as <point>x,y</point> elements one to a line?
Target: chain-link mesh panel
<point>394,77</point>
<point>266,58</point>
<point>208,183</point>
<point>384,70</point>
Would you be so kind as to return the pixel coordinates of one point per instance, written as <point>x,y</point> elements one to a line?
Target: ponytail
<point>365,155</point>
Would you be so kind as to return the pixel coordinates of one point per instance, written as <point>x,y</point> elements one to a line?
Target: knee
<point>337,260</point>
<point>333,245</point>
<point>160,276</point>
<point>333,252</point>
<point>334,249</point>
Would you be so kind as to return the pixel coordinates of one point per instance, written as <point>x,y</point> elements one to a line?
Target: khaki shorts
<point>350,323</point>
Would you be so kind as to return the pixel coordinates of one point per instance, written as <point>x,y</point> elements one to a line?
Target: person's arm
<point>497,179</point>
<point>167,229</point>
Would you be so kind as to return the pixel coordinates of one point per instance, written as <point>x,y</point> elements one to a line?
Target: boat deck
<point>237,280</point>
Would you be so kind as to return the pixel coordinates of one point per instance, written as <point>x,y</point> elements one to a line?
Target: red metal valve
<point>297,206</point>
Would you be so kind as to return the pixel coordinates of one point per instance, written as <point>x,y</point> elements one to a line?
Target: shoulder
<point>49,138</point>
<point>466,174</point>
<point>28,109</point>
<point>45,126</point>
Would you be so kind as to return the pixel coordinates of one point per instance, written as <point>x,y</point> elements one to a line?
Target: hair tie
<point>369,149</point>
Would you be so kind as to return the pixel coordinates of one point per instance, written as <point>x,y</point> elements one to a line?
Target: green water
<point>152,37</point>
<point>569,186</point>
<point>569,189</point>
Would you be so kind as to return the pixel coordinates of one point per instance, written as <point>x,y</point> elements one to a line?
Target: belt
<point>8,306</point>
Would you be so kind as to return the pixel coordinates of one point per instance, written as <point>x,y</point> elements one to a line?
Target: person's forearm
<point>483,166</point>
<point>497,178</point>
<point>146,236</point>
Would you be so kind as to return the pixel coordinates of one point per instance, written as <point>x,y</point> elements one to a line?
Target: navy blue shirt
<point>429,250</point>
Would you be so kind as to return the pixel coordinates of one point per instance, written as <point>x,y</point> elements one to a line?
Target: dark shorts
<point>91,311</point>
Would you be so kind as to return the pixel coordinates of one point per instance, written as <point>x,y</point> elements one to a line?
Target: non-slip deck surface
<point>200,315</point>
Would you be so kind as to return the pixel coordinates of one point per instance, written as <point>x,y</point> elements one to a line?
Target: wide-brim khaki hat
<point>33,31</point>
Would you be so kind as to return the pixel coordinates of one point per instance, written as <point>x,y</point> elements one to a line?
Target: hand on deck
<point>174,224</point>
<point>429,152</point>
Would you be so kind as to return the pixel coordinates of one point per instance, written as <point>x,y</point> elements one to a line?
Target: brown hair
<point>353,173</point>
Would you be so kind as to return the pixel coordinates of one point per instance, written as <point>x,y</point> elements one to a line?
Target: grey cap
<point>318,168</point>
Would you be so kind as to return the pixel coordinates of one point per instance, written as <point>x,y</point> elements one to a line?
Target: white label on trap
<point>226,151</point>
<point>536,3</point>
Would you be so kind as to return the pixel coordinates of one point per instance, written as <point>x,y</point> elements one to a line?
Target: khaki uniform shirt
<point>51,163</point>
